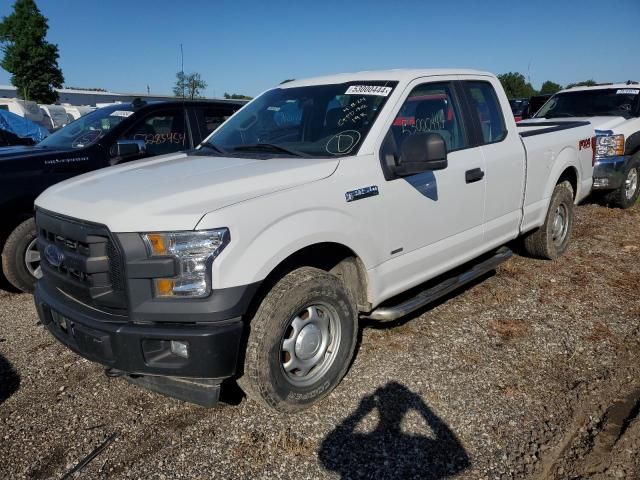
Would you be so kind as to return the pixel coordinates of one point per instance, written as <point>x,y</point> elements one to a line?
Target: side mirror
<point>129,148</point>
<point>422,152</point>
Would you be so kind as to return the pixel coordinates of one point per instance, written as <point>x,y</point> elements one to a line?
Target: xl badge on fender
<point>361,193</point>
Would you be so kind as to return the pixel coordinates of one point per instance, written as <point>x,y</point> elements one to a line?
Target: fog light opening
<point>179,348</point>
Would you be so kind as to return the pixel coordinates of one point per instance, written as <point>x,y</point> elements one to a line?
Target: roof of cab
<point>400,75</point>
<point>604,86</point>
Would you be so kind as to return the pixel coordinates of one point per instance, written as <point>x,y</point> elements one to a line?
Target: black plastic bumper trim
<point>213,347</point>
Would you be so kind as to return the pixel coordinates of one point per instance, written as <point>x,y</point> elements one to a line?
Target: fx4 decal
<point>361,193</point>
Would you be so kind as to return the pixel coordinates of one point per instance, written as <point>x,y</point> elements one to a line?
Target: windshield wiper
<point>213,147</point>
<point>269,147</point>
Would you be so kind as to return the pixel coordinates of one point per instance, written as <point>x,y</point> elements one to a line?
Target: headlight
<point>610,145</point>
<point>194,252</point>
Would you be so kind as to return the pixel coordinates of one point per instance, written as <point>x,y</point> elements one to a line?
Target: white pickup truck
<point>614,111</point>
<point>320,202</point>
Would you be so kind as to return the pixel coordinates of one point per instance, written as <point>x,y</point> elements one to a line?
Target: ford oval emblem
<point>53,255</point>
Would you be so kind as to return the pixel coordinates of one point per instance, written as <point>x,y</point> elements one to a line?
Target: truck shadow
<point>387,451</point>
<point>9,379</point>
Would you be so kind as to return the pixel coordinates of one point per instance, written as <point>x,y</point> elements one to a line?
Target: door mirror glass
<point>130,148</point>
<point>422,152</point>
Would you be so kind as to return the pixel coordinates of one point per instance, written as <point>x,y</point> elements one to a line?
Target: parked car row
<point>51,117</point>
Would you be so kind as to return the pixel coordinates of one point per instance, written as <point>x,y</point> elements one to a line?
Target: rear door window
<point>210,118</point>
<point>487,110</point>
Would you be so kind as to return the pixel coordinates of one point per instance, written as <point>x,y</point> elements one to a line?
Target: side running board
<point>388,314</point>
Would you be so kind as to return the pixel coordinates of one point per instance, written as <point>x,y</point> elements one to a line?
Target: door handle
<point>473,175</point>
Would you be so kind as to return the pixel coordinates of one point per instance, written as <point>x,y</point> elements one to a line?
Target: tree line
<point>516,86</point>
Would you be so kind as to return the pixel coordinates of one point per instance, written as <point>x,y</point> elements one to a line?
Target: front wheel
<point>20,257</point>
<point>301,341</point>
<point>552,238</point>
<point>627,194</point>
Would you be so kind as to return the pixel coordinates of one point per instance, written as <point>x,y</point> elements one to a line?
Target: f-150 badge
<point>361,193</point>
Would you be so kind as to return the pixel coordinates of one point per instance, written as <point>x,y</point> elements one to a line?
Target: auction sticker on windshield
<point>368,90</point>
<point>121,113</point>
<point>628,91</point>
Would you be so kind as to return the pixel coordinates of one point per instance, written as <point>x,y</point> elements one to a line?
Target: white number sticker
<point>628,91</point>
<point>121,113</point>
<point>368,90</point>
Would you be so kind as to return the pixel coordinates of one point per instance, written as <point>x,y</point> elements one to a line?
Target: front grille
<point>85,263</point>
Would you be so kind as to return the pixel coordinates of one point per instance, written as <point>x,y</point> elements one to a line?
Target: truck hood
<point>173,192</point>
<point>23,151</point>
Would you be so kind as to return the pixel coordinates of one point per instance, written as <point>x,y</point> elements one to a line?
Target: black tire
<point>13,256</point>
<point>264,379</point>
<point>625,196</point>
<point>548,242</point>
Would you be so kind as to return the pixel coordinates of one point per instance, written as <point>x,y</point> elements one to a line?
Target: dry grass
<point>508,329</point>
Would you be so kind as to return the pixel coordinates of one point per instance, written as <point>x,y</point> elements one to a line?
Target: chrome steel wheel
<point>32,259</point>
<point>310,344</point>
<point>631,183</point>
<point>560,225</point>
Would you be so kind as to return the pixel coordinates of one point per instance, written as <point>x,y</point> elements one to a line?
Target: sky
<point>249,46</point>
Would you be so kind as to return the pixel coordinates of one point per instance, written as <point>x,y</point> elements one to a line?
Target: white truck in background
<point>614,110</point>
<point>320,202</point>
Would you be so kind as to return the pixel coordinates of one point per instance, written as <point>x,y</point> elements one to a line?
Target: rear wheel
<point>627,194</point>
<point>20,257</point>
<point>301,341</point>
<point>552,238</point>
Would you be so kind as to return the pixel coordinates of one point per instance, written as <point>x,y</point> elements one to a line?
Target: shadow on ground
<point>388,449</point>
<point>9,379</point>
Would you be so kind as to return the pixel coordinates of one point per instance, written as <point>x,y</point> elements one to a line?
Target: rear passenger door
<point>503,156</point>
<point>435,217</point>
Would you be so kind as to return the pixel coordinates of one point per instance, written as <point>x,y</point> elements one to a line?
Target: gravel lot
<point>531,373</point>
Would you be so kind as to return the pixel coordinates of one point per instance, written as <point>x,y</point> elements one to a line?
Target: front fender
<point>257,248</point>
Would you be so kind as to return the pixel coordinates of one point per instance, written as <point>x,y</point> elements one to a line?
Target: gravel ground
<point>530,373</point>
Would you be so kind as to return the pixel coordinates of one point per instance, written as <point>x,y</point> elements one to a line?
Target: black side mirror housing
<point>129,148</point>
<point>422,152</point>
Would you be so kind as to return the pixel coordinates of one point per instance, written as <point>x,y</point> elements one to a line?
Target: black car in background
<point>108,136</point>
<point>535,103</point>
<point>519,107</point>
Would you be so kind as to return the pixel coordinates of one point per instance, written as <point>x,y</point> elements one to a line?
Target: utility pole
<point>148,89</point>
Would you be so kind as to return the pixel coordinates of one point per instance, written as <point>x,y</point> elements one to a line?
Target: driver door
<point>159,133</point>
<point>434,218</point>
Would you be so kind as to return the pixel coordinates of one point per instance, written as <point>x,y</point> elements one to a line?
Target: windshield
<point>617,102</point>
<point>88,129</point>
<point>319,121</point>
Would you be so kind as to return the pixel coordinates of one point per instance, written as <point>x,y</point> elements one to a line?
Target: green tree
<point>585,83</point>
<point>550,87</point>
<point>516,86</point>
<point>189,85</point>
<point>31,60</point>
<point>236,96</point>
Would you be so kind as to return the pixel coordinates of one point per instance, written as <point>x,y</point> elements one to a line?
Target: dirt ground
<point>530,373</point>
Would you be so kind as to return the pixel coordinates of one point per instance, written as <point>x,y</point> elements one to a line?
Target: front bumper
<point>143,350</point>
<point>608,172</point>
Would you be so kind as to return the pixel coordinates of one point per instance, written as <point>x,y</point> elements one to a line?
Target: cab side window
<point>213,117</point>
<point>485,105</point>
<point>162,132</point>
<point>430,108</point>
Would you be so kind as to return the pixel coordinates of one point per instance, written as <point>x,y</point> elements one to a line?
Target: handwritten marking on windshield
<point>343,142</point>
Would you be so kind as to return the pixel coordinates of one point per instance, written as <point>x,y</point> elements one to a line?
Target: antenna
<point>182,68</point>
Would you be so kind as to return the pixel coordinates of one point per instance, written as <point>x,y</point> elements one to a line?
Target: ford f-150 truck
<point>614,111</point>
<point>318,203</point>
<point>108,136</point>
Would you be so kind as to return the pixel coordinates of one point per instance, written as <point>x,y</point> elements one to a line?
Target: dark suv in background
<point>108,136</point>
